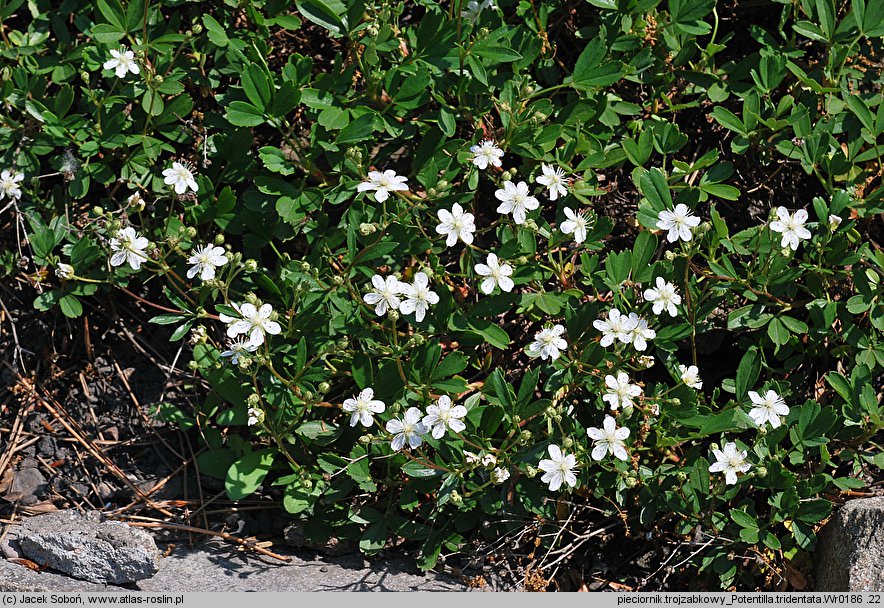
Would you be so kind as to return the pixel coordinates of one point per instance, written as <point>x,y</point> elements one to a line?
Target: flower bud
<point>714,446</point>
<point>834,222</point>
<point>521,260</point>
<point>308,396</point>
<point>506,175</point>
<point>432,192</point>
<point>761,472</point>
<point>442,184</point>
<point>338,280</point>
<point>253,400</point>
<point>324,387</point>
<point>365,439</point>
<point>567,443</point>
<point>251,265</point>
<point>305,267</point>
<point>530,472</point>
<point>525,437</point>
<point>64,271</point>
<point>531,225</point>
<point>219,239</point>
<point>630,482</point>
<point>681,476</point>
<point>197,29</point>
<point>84,76</point>
<point>367,229</point>
<point>455,498</point>
<point>393,314</point>
<point>99,211</point>
<point>670,255</point>
<point>244,363</point>
<point>193,366</point>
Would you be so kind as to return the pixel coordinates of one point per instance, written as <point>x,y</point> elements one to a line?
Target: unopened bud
<point>197,29</point>
<point>567,443</point>
<point>323,387</point>
<point>64,271</point>
<point>834,222</point>
<point>367,229</point>
<point>219,239</point>
<point>251,265</point>
<point>530,472</point>
<point>253,400</point>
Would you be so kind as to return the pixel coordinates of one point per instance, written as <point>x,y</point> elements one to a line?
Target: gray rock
<point>851,548</point>
<point>88,548</point>
<point>221,567</point>
<point>28,481</point>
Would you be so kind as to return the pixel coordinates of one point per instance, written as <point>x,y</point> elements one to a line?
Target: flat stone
<point>851,549</point>
<point>87,548</point>
<point>28,481</point>
<point>217,566</point>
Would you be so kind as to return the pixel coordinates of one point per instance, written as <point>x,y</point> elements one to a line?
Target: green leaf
<point>242,114</point>
<point>106,33</point>
<point>256,86</point>
<point>590,73</point>
<point>743,519</point>
<point>113,12</point>
<point>215,31</point>
<point>653,185</point>
<point>728,119</point>
<point>869,16</point>
<point>778,331</point>
<point>246,474</point>
<point>70,306</point>
<point>747,372</point>
<point>330,14</point>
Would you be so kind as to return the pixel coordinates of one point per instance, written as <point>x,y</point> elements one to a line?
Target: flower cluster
<point>391,294</point>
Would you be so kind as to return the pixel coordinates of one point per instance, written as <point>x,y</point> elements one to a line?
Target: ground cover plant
<point>451,272</point>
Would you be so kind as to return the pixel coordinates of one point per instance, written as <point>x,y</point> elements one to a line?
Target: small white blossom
<point>9,184</point>
<point>768,408</point>
<point>617,327</point>
<point>236,347</point>
<point>487,153</point>
<point>409,429</point>
<point>730,461</point>
<point>470,457</point>
<point>499,475</point>
<point>255,416</point>
<point>180,177</point>
<point>64,271</point>
<point>253,322</point>
<point>791,226</point>
<point>496,275</point>
<point>608,440</point>
<point>547,343</point>
<point>640,332</point>
<point>558,468</point>
<point>678,222</point>
<point>128,247</point>
<point>646,362</point>
<point>665,297</point>
<point>456,224</point>
<point>553,179</point>
<point>620,391</point>
<point>516,199</point>
<point>691,376</point>
<point>443,415</point>
<point>205,260</point>
<point>363,407</point>
<point>489,460</point>
<point>122,62</point>
<point>576,223</point>
<point>383,184</point>
<point>385,295</point>
<point>418,297</point>
<point>475,7</point>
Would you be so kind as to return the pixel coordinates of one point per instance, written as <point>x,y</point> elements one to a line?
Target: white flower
<point>834,221</point>
<point>456,224</point>
<point>608,440</point>
<point>383,184</point>
<point>254,322</point>
<point>205,260</point>
<point>640,332</point>
<point>9,184</point>
<point>620,391</point>
<point>128,247</point>
<point>237,346</point>
<point>558,468</point>
<point>691,376</point>
<point>487,153</point>
<point>475,7</point>
<point>547,343</point>
<point>180,177</point>
<point>489,460</point>
<point>135,201</point>
<point>363,407</point>
<point>553,179</point>
<point>470,457</point>
<point>791,226</point>
<point>418,297</point>
<point>678,222</point>
<point>385,295</point>
<point>255,416</point>
<point>665,297</point>
<point>515,199</point>
<point>64,271</point>
<point>575,223</point>
<point>499,475</point>
<point>730,461</point>
<point>121,62</point>
<point>646,362</point>
<point>617,327</point>
<point>410,429</point>
<point>497,275</point>
<point>443,415</point>
<point>768,408</point>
